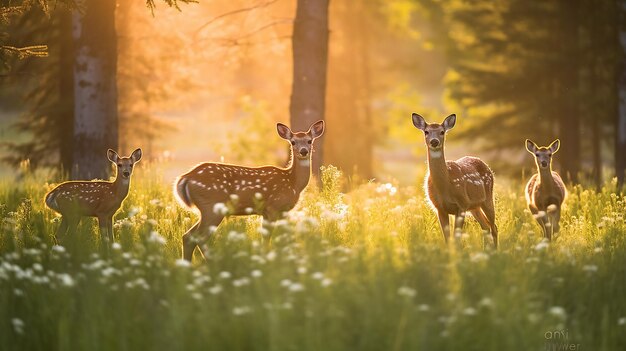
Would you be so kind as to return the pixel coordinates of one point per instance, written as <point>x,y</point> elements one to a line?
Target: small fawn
<point>455,187</point>
<point>545,190</point>
<point>77,199</point>
<point>218,190</point>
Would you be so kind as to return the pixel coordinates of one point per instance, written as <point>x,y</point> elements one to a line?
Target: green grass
<point>367,270</point>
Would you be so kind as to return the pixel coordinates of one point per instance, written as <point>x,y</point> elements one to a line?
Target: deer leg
<point>490,212</point>
<point>72,224</point>
<point>208,224</point>
<point>444,221</point>
<point>61,230</point>
<point>189,243</point>
<point>110,229</point>
<point>104,229</point>
<point>268,226</point>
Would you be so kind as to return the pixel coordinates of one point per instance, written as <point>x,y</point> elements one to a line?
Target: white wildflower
<point>558,312</point>
<point>18,325</point>
<point>423,308</point>
<point>240,311</point>
<point>591,268</point>
<point>66,279</point>
<point>406,291</point>
<point>225,275</point>
<point>214,290</point>
<point>182,263</point>
<point>256,273</point>
<point>296,287</point>
<point>220,209</point>
<point>156,238</point>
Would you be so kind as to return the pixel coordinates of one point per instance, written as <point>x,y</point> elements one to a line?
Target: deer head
<point>301,142</point>
<point>124,164</point>
<point>434,134</point>
<point>543,155</point>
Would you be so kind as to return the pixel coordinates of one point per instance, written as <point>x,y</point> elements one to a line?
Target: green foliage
<point>372,274</point>
<point>254,141</point>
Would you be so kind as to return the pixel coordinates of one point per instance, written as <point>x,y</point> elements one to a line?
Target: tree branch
<point>234,12</point>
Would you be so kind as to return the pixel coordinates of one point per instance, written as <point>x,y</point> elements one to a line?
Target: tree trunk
<point>620,130</point>
<point>65,112</point>
<point>95,91</point>
<point>310,56</point>
<point>568,104</point>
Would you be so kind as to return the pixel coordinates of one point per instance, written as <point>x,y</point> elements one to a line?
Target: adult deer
<point>455,187</point>
<point>100,199</point>
<point>545,191</point>
<point>218,190</point>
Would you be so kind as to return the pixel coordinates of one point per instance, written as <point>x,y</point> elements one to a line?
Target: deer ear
<point>112,155</point>
<point>418,121</point>
<point>317,129</point>
<point>136,155</point>
<point>531,146</point>
<point>449,122</point>
<point>284,131</point>
<point>554,147</point>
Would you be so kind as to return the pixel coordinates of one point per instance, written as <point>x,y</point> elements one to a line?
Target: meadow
<point>364,270</point>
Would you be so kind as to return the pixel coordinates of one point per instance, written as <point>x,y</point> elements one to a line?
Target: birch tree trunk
<point>95,91</point>
<point>310,56</point>
<point>620,132</point>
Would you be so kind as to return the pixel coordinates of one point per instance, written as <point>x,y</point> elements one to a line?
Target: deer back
<point>85,198</point>
<point>245,190</point>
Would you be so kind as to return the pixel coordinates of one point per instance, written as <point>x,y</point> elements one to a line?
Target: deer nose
<point>126,174</point>
<point>544,164</point>
<point>434,143</point>
<point>304,152</point>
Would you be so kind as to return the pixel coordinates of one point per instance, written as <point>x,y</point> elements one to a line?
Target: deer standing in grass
<point>218,190</point>
<point>100,199</point>
<point>455,187</point>
<point>545,190</point>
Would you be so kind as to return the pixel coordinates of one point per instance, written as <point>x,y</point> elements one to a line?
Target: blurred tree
<point>50,102</point>
<point>310,57</point>
<point>527,66</point>
<point>95,89</point>
<point>620,120</point>
<point>46,91</point>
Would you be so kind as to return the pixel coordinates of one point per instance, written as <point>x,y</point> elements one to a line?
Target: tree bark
<point>310,57</point>
<point>620,123</point>
<point>567,100</point>
<point>95,91</point>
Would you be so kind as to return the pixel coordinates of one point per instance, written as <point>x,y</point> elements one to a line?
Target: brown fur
<point>455,187</point>
<point>218,190</point>
<point>100,199</point>
<point>545,188</point>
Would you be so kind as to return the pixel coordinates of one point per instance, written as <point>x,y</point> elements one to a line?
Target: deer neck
<point>121,186</point>
<point>300,171</point>
<point>546,180</point>
<point>437,168</point>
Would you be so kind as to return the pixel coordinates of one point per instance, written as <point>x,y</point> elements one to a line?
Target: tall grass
<point>366,270</point>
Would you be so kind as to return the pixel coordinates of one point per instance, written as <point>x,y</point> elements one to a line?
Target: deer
<point>455,187</point>
<point>545,191</point>
<point>101,199</point>
<point>218,190</point>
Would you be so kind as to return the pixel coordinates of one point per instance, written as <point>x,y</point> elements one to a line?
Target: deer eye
<point>426,132</point>
<point>119,165</point>
<point>309,142</point>
<point>442,132</point>
<point>293,142</point>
